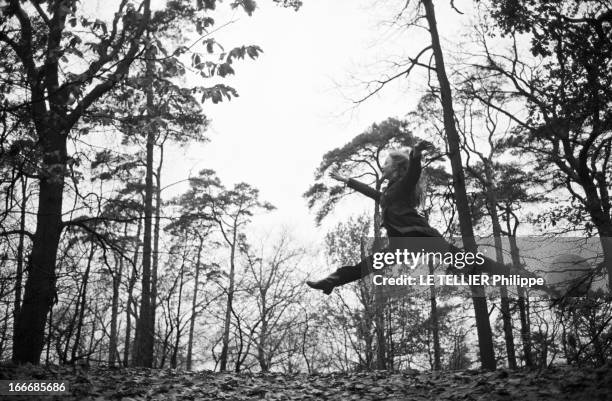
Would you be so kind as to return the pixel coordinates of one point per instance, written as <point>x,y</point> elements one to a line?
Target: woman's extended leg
<point>342,276</point>
<point>412,242</point>
<point>416,242</point>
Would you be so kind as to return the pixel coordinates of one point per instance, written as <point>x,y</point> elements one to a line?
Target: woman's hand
<point>424,145</point>
<point>338,177</point>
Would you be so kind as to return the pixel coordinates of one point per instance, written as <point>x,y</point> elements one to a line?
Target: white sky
<point>295,99</point>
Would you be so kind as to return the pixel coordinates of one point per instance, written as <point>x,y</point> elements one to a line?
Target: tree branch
<point>381,84</point>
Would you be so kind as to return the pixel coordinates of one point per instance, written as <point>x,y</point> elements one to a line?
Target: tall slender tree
<point>485,336</point>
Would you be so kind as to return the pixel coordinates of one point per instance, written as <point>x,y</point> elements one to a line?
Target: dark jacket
<point>399,201</point>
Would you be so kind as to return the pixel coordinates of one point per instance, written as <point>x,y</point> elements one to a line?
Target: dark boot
<point>344,275</point>
<point>326,285</point>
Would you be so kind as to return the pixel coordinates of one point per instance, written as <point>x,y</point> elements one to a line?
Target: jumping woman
<point>399,202</point>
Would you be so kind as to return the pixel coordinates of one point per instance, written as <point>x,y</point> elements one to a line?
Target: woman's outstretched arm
<point>410,179</point>
<point>358,186</point>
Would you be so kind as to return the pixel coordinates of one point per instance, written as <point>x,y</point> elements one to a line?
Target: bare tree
<point>276,294</point>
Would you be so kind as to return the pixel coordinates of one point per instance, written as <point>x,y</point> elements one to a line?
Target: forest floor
<point>130,384</point>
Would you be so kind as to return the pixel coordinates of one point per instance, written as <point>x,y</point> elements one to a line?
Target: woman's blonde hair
<point>399,155</point>
<point>402,156</point>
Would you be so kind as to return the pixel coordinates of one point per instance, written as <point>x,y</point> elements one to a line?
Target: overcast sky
<point>295,100</point>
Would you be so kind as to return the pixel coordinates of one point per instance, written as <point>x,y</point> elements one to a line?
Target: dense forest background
<point>99,265</point>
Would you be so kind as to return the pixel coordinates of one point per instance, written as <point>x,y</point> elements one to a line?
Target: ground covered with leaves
<point>555,383</point>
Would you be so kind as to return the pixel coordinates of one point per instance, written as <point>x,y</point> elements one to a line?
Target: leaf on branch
<point>248,6</point>
<point>210,45</point>
<point>217,93</point>
<point>225,69</point>
<point>240,52</point>
<point>206,4</point>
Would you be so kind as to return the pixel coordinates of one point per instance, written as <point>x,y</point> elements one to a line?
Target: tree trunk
<point>20,248</point>
<point>50,326</point>
<point>194,302</point>
<point>144,337</point>
<point>156,226</point>
<point>83,304</point>
<point>483,326</point>
<point>173,357</point>
<point>435,327</point>
<point>130,298</point>
<point>499,256</point>
<point>164,348</point>
<point>113,340</point>
<point>262,356</point>
<point>4,332</point>
<point>228,308</point>
<point>39,294</point>
<point>379,296</point>
<point>523,304</point>
<point>70,326</point>
<point>368,321</point>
